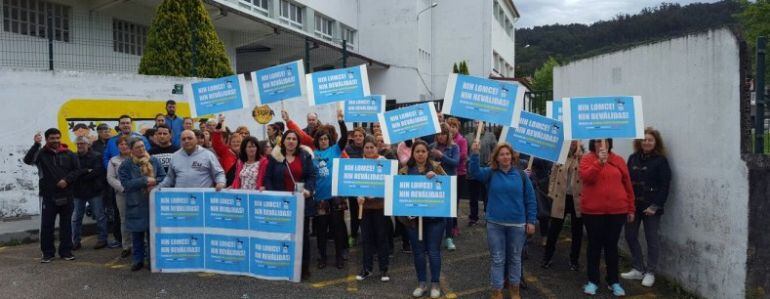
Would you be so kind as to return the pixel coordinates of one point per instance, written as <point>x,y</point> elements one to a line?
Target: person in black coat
<point>89,189</point>
<point>651,177</point>
<point>58,169</point>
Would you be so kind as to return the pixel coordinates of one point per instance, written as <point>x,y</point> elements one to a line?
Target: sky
<point>546,12</point>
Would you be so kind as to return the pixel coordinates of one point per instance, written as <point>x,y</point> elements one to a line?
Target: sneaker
<point>418,292</point>
<point>100,245</point>
<point>648,280</point>
<point>385,277</point>
<point>590,289</point>
<point>363,275</point>
<point>617,290</point>
<point>46,259</point>
<point>114,244</point>
<point>450,244</point>
<point>435,292</point>
<point>633,275</point>
<point>69,257</point>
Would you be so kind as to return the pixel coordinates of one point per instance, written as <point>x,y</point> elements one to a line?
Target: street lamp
<point>426,9</point>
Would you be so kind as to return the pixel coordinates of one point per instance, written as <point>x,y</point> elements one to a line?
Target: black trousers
<point>374,235</point>
<point>603,235</point>
<point>306,246</point>
<point>555,229</point>
<point>354,222</point>
<point>112,213</point>
<point>401,231</point>
<point>49,210</point>
<point>331,225</point>
<point>478,192</point>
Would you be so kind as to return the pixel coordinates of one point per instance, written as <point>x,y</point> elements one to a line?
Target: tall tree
<point>755,19</point>
<point>543,79</point>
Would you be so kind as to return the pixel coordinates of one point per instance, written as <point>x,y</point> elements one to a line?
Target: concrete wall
<point>37,100</point>
<point>691,92</point>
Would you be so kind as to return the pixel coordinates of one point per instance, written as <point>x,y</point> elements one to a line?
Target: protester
<point>606,203</point>
<point>476,189</point>
<point>104,135</point>
<point>274,132</point>
<point>539,173</point>
<point>175,124</point>
<point>149,134</point>
<point>120,196</point>
<point>267,149</point>
<point>164,149</point>
<point>228,154</point>
<point>564,189</point>
<point>194,167</point>
<point>187,124</point>
<point>444,151</point>
<point>462,168</point>
<point>331,210</point>
<point>404,152</point>
<point>58,169</point>
<point>88,189</point>
<point>374,232</point>
<point>355,150</point>
<point>290,166</point>
<point>651,176</point>
<point>160,119</point>
<point>247,167</point>
<point>312,124</point>
<point>243,131</point>
<point>384,149</point>
<point>511,216</point>
<point>124,125</point>
<point>433,227</point>
<point>139,174</point>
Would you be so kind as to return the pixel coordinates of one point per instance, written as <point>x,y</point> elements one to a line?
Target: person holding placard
<point>444,151</point>
<point>511,214</point>
<point>462,168</point>
<point>331,210</point>
<point>374,233</point>
<point>248,166</point>
<point>564,188</point>
<point>433,227</point>
<point>607,203</point>
<point>355,150</point>
<point>228,154</point>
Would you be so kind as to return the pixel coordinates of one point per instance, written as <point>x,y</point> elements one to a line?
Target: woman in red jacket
<point>607,203</point>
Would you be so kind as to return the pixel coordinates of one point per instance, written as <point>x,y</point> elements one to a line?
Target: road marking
<point>467,292</point>
<point>327,283</point>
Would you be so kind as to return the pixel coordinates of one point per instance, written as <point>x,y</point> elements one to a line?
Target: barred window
<point>258,5</point>
<point>30,17</point>
<point>291,13</point>
<point>324,27</point>
<point>128,37</point>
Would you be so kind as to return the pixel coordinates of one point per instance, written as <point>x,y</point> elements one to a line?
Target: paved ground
<point>101,273</point>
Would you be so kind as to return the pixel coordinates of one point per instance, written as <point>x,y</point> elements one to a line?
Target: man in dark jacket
<point>89,188</point>
<point>58,169</point>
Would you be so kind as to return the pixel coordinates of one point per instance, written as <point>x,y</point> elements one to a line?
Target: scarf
<point>144,165</point>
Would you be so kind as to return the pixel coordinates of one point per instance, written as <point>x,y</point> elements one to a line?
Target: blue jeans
<point>137,250</point>
<point>97,206</point>
<point>505,246</point>
<point>433,234</point>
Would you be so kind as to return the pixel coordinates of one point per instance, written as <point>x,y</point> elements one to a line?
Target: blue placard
<point>409,122</point>
<point>553,109</point>
<point>337,85</point>
<point>271,213</point>
<point>417,195</point>
<point>218,95</point>
<point>538,136</point>
<point>483,99</point>
<point>227,209</point>
<point>361,177</point>
<point>364,109</point>
<point>273,259</point>
<point>229,254</point>
<point>281,82</point>
<point>178,208</point>
<point>603,117</point>
<point>179,252</point>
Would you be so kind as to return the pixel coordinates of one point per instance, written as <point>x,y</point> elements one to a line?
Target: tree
<point>463,69</point>
<point>543,79</point>
<point>455,70</point>
<point>182,42</point>
<point>755,19</point>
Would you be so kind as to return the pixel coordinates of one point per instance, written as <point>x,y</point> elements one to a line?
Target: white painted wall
<point>690,87</point>
<point>34,98</point>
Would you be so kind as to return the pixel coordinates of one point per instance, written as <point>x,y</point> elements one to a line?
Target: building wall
<point>691,92</point>
<point>502,43</point>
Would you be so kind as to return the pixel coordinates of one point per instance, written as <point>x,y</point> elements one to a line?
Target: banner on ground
<point>483,99</point>
<point>365,109</point>
<point>417,195</point>
<point>538,136</point>
<point>281,82</point>
<point>337,85</point>
<point>239,232</point>
<point>216,96</point>
<point>553,109</point>
<point>409,122</point>
<point>603,117</point>
<point>361,177</point>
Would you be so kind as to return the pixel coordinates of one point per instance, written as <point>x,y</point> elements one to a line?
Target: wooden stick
<point>419,228</point>
<point>478,131</point>
<point>529,164</point>
<point>360,211</point>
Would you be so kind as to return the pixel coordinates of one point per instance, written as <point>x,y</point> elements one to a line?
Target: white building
<point>409,46</point>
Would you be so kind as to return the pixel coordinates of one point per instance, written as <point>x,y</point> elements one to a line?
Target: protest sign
<point>364,109</point>
<point>361,177</point>
<point>603,117</point>
<point>409,122</point>
<point>218,95</point>
<point>483,99</point>
<point>337,85</point>
<point>553,109</point>
<point>419,196</point>
<point>538,136</point>
<point>281,82</point>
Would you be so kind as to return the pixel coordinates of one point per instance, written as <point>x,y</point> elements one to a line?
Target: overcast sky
<point>545,12</point>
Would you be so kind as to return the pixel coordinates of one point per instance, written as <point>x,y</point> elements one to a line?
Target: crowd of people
<point>599,191</point>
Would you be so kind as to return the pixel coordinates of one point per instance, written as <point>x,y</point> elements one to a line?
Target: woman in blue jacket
<point>138,175</point>
<point>447,153</point>
<point>511,214</point>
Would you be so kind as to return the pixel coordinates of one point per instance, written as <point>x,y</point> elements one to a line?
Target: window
<point>503,19</point>
<point>30,17</point>
<point>349,35</point>
<point>258,5</point>
<point>128,37</point>
<point>324,27</point>
<point>291,13</point>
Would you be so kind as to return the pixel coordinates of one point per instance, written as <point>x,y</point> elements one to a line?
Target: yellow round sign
<point>262,114</point>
